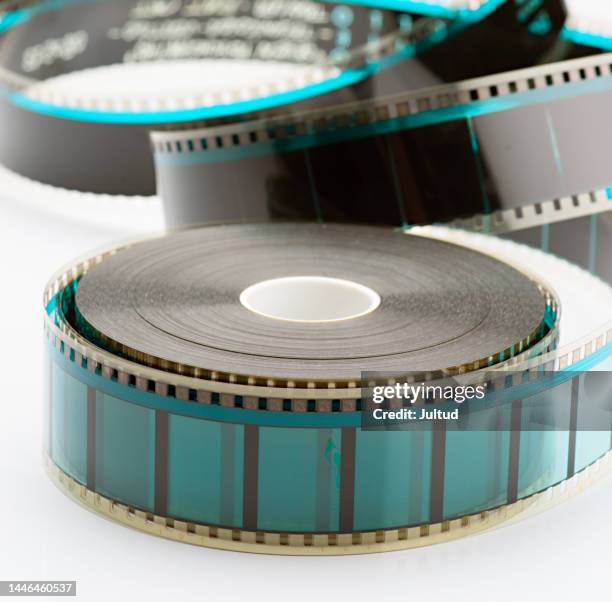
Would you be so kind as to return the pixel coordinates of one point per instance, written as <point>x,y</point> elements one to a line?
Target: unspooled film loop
<point>512,148</point>
<point>493,127</point>
<point>70,69</point>
<point>291,470</point>
<point>326,39</point>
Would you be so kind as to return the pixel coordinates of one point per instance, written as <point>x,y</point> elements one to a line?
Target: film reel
<point>189,319</point>
<point>167,417</point>
<point>345,47</point>
<point>291,470</point>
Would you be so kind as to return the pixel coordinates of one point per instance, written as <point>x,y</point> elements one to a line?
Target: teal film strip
<point>297,467</point>
<point>465,11</point>
<point>268,477</point>
<point>583,38</point>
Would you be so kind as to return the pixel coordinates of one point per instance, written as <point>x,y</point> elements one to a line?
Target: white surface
<point>127,216</point>
<point>589,9</point>
<point>590,16</point>
<point>193,83</point>
<point>561,555</point>
<point>310,299</point>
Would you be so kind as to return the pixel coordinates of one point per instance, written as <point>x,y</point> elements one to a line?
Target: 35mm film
<point>502,142</point>
<point>512,148</point>
<point>198,388</point>
<point>172,304</point>
<point>252,466</point>
<point>337,53</point>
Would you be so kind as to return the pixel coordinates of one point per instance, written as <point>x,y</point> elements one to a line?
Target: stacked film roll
<point>407,329</point>
<point>214,385</point>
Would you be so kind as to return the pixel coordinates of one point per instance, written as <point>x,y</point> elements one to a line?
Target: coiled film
<point>502,142</point>
<point>512,148</point>
<point>173,303</point>
<point>164,411</point>
<point>342,49</point>
<point>267,464</point>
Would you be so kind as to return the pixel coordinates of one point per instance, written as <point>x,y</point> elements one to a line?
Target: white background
<point>559,555</point>
<point>562,554</point>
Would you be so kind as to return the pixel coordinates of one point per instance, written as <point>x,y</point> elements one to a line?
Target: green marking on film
<point>541,25</point>
<point>332,455</point>
<point>526,9</point>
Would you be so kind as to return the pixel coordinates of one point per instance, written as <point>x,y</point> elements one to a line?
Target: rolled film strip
<point>190,284</point>
<point>49,43</point>
<point>249,465</point>
<point>494,127</point>
<point>508,145</point>
<point>322,51</point>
